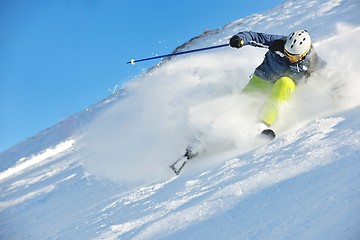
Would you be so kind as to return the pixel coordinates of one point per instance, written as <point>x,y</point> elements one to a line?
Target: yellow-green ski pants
<point>278,93</point>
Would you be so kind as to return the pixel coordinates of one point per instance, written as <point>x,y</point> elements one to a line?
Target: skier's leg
<point>281,92</point>
<point>257,85</point>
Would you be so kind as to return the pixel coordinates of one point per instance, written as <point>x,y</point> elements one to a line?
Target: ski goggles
<point>294,57</point>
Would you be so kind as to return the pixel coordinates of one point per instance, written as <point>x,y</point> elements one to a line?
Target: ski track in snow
<point>75,181</point>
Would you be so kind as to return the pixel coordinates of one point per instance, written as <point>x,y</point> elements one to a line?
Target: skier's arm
<point>254,39</point>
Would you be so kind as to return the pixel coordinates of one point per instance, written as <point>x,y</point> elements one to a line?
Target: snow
<point>24,163</point>
<point>103,173</point>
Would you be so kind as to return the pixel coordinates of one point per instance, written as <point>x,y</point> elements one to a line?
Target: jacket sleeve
<point>258,39</point>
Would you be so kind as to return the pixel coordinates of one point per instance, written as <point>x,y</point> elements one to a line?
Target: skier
<point>288,61</point>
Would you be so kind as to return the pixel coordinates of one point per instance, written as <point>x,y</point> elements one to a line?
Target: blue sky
<point>59,56</point>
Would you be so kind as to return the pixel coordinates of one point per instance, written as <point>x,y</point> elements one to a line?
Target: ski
<point>180,163</point>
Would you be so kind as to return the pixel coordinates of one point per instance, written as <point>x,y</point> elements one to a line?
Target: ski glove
<point>236,41</point>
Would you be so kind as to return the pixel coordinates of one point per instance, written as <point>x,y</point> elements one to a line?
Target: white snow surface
<point>103,173</point>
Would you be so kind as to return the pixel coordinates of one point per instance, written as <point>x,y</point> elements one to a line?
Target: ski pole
<point>133,61</point>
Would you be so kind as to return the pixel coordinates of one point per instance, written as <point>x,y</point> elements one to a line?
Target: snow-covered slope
<point>103,173</point>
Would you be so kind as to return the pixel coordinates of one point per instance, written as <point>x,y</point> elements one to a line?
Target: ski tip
<point>174,169</point>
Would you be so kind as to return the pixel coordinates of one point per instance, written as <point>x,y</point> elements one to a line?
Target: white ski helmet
<point>298,43</point>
